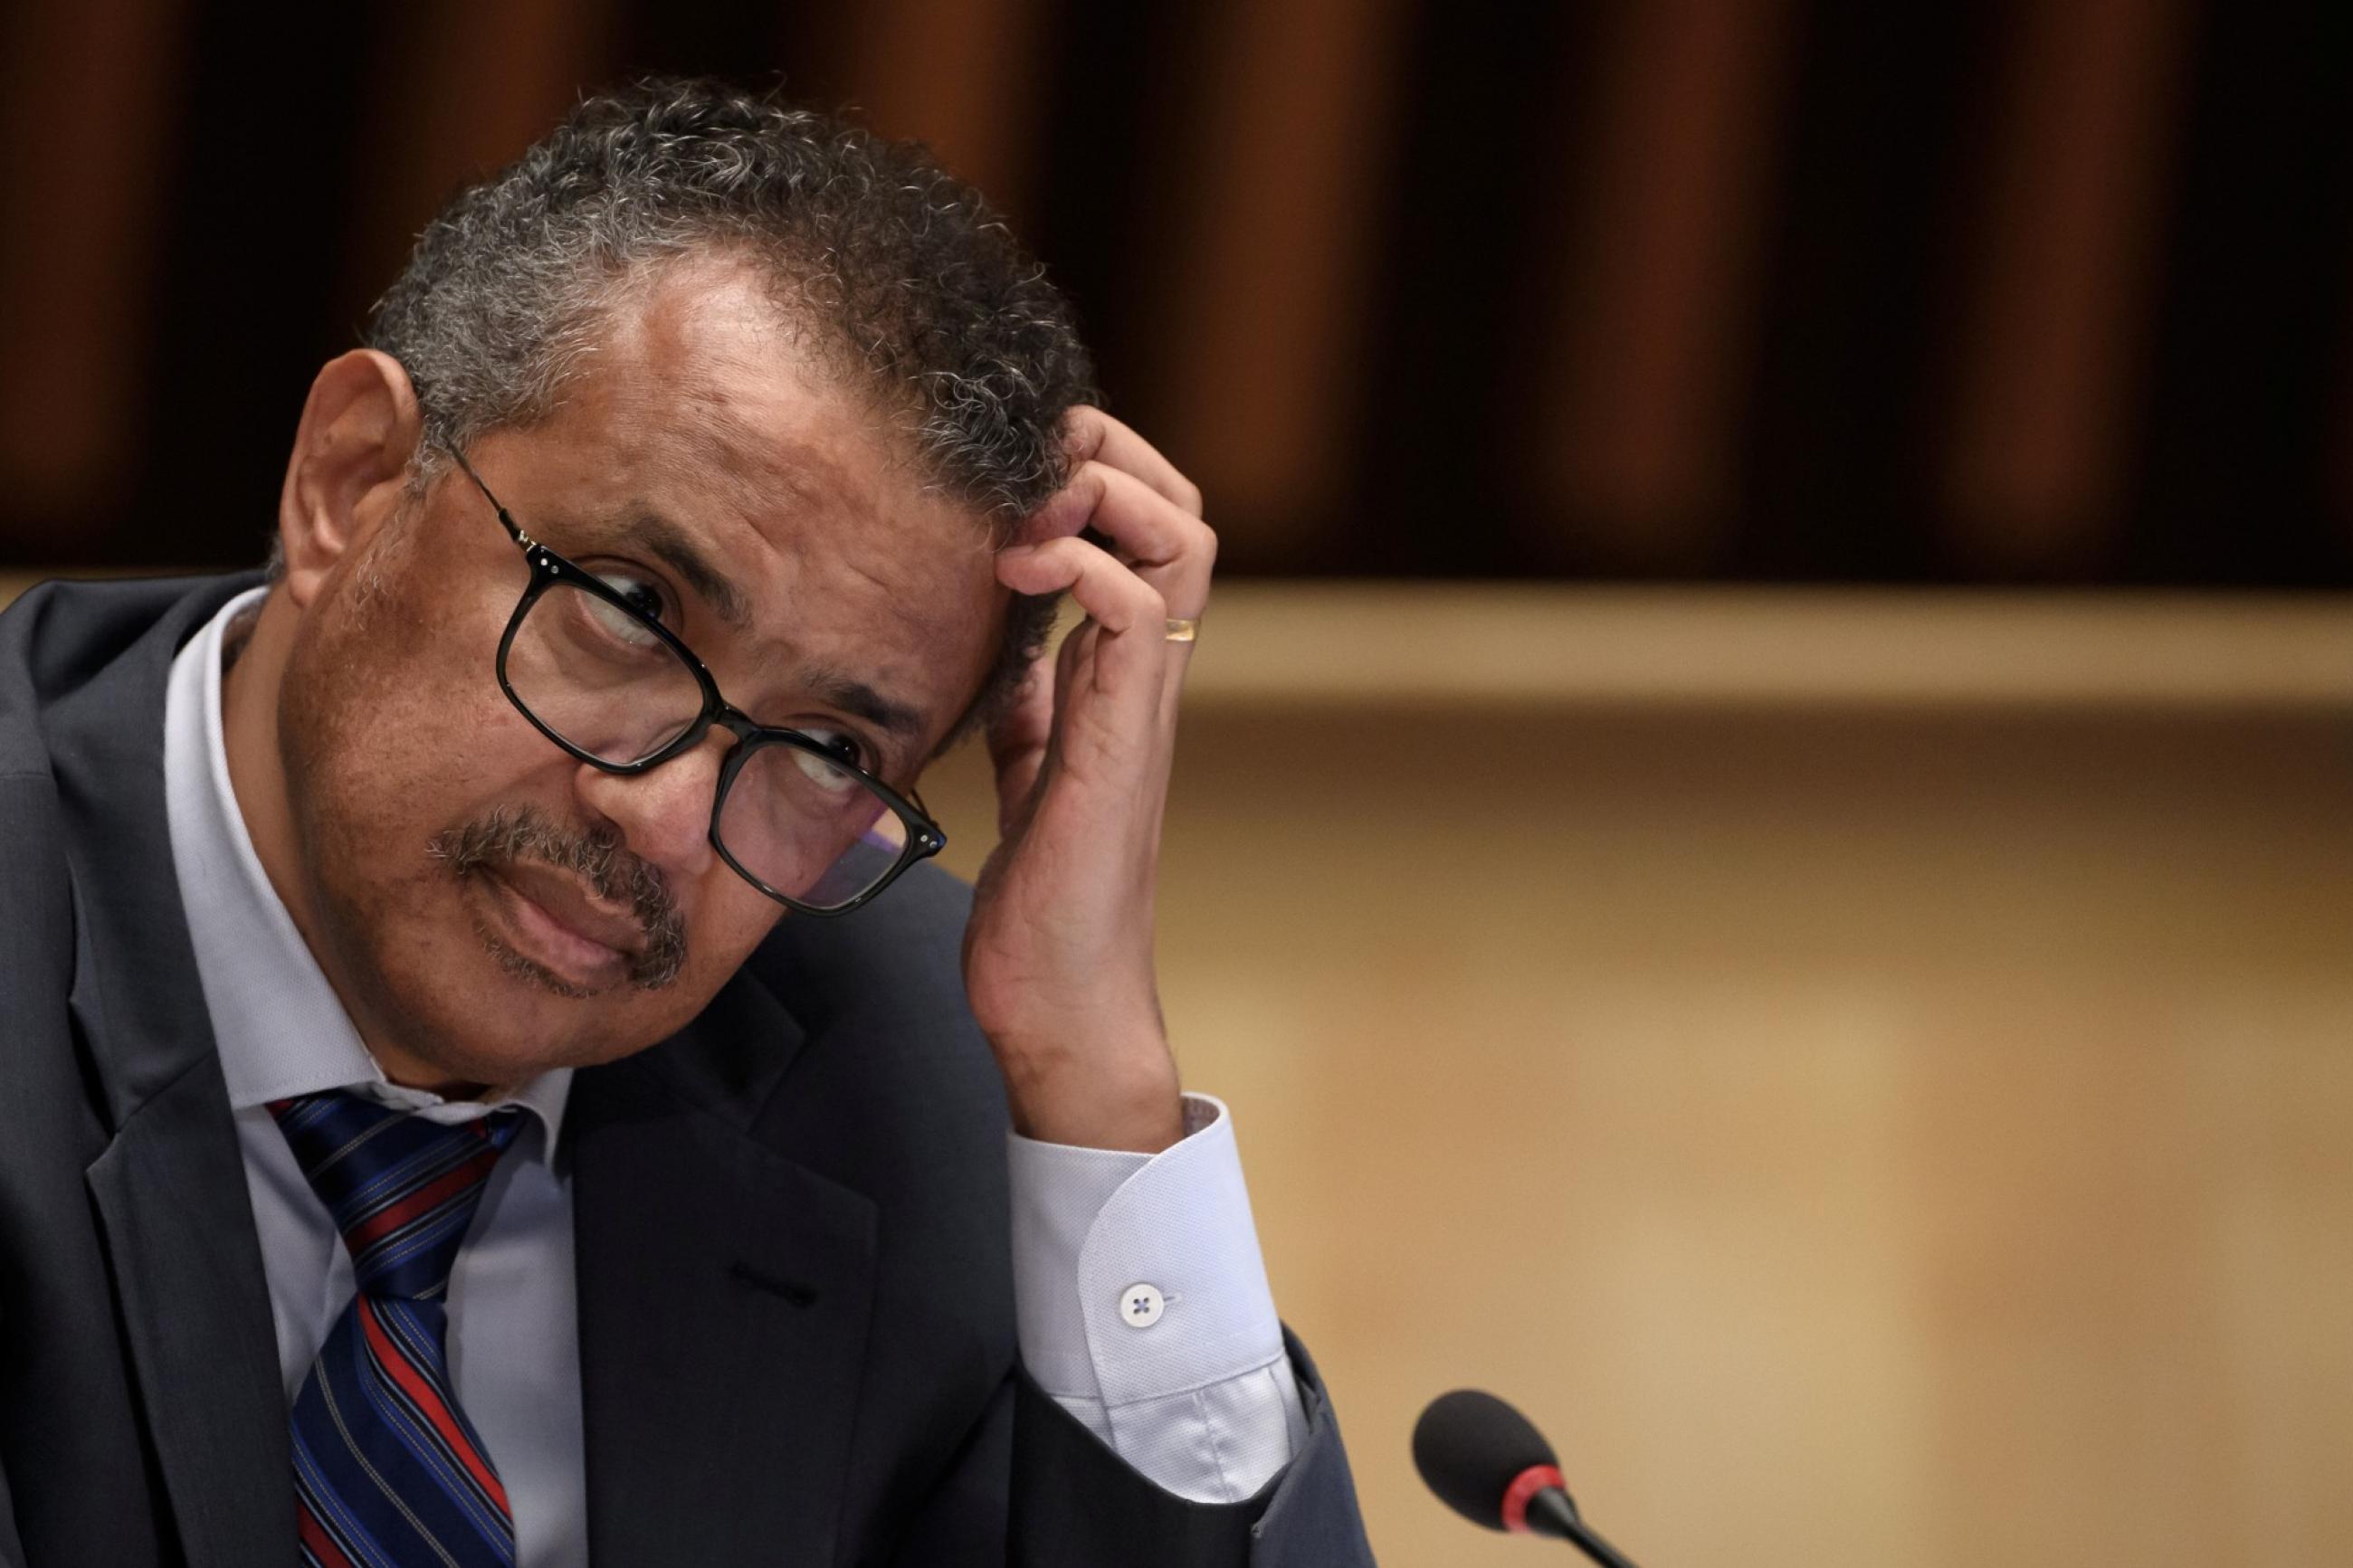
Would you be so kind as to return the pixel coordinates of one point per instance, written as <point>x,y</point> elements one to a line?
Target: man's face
<point>495,907</point>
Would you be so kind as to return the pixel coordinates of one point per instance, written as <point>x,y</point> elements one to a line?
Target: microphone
<point>1487,1463</point>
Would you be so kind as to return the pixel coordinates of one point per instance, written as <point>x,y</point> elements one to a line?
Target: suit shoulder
<point>897,961</point>
<point>58,636</point>
<point>880,995</point>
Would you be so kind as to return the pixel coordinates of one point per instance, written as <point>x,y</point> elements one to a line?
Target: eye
<point>841,743</point>
<point>845,747</point>
<point>644,594</point>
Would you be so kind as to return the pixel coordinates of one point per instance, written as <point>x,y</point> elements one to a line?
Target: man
<point>485,1076</point>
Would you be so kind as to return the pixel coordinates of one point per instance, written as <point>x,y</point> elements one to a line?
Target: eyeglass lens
<point>809,829</point>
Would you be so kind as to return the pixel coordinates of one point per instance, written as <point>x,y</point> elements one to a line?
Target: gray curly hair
<point>900,277</point>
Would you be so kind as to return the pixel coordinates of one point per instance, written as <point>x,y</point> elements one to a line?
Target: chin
<point>477,1018</point>
<point>509,1033</point>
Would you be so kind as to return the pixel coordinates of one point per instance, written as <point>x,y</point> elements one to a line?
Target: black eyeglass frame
<point>548,570</point>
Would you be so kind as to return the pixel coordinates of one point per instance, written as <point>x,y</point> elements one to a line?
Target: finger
<point>1069,660</point>
<point>1129,653</point>
<point>1091,436</point>
<point>1018,740</point>
<point>1170,549</point>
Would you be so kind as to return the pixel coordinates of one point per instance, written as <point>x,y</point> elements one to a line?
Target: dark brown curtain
<point>1666,290</point>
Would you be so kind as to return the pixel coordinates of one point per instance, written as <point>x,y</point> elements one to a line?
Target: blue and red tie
<point>387,1470</point>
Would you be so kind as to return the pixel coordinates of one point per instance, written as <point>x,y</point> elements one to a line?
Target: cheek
<point>393,728</point>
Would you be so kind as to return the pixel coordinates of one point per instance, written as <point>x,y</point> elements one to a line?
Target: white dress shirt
<point>1140,1300</point>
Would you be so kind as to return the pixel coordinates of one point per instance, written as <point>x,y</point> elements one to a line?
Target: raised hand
<point>1057,959</point>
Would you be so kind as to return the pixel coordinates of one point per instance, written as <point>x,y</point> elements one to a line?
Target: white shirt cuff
<point>1143,1306</point>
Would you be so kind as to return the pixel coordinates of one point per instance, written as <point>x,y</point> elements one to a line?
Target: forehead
<point>696,363</point>
<point>699,407</point>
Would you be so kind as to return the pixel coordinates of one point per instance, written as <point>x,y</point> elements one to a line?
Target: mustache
<point>598,857</point>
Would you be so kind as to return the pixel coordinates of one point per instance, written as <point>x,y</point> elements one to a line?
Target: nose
<point>664,815</point>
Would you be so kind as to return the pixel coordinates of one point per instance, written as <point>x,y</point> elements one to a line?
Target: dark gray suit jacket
<point>796,1334</point>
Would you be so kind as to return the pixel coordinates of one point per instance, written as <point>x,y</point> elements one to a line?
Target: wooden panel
<point>86,99</point>
<point>961,75</point>
<point>2067,252</point>
<point>1640,443</point>
<point>464,86</point>
<point>1298,642</point>
<point>1258,316</point>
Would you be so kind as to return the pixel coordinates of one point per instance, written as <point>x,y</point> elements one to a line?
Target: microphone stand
<point>1551,1513</point>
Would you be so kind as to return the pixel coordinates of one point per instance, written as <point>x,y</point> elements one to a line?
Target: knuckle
<point>1121,490</point>
<point>1082,431</point>
<point>1094,483</point>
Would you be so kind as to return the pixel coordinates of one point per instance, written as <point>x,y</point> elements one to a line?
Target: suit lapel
<point>724,1294</point>
<point>169,1188</point>
<point>170,1191</point>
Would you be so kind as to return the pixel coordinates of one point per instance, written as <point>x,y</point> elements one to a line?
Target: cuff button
<point>1140,1306</point>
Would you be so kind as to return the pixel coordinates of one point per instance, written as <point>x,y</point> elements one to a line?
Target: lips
<point>551,919</point>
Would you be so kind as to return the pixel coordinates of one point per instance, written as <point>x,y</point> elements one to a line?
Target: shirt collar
<point>280,1026</point>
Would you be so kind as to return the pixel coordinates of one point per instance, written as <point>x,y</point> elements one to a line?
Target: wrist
<point>1094,1097</point>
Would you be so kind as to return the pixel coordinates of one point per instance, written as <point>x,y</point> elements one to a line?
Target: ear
<point>360,428</point>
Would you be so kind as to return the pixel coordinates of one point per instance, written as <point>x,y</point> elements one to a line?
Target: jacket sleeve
<point>12,1551</point>
<point>1033,1488</point>
<point>1074,1501</point>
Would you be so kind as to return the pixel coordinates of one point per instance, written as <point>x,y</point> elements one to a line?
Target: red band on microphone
<point>1523,1490</point>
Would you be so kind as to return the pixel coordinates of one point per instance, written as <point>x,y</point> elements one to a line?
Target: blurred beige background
<point>1871,1076</point>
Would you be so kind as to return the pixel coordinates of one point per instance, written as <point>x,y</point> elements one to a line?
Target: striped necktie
<point>388,1472</point>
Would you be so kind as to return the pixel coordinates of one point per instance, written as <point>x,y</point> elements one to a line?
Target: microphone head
<point>1471,1447</point>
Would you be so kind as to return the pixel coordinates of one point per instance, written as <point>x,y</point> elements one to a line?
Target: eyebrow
<point>853,696</point>
<point>830,685</point>
<point>671,542</point>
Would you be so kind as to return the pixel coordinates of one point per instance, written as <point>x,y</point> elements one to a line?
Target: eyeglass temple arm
<point>506,522</point>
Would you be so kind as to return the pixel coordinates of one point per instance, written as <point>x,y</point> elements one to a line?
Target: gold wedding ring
<point>1185,630</point>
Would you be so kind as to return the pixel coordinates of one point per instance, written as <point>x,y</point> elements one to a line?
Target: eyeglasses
<point>595,673</point>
